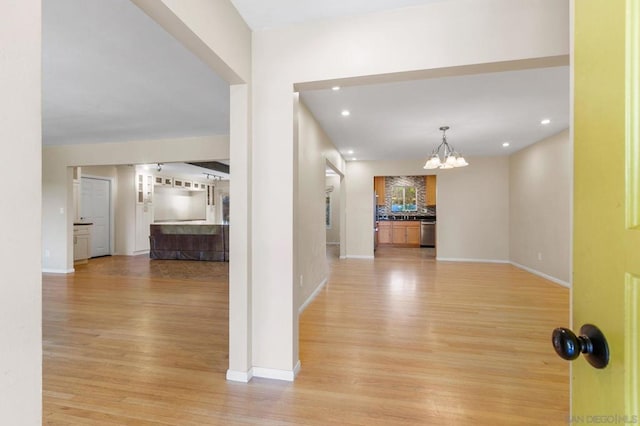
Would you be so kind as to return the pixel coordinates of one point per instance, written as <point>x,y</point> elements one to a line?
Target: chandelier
<point>448,158</point>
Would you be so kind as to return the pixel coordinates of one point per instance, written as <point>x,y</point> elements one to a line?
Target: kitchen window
<point>403,199</point>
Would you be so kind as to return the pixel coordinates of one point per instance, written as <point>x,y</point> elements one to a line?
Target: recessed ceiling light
<point>335,88</point>
<point>350,151</point>
<point>505,144</point>
<point>354,159</point>
<point>345,113</point>
<point>545,121</point>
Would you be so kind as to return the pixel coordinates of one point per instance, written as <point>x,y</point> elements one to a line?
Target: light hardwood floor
<point>401,339</point>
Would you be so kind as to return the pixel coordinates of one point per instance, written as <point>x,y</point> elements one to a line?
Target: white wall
<point>473,211</point>
<point>57,214</point>
<point>179,204</point>
<point>540,207</point>
<point>314,150</point>
<point>20,148</point>
<point>100,171</point>
<point>400,43</point>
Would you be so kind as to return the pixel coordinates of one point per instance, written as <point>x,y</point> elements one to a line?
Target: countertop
<point>187,229</point>
<point>187,222</point>
<point>392,218</point>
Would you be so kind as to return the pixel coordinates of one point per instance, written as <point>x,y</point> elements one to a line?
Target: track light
<point>159,167</point>
<point>212,176</point>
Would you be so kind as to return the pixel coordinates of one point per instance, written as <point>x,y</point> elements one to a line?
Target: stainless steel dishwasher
<point>427,234</point>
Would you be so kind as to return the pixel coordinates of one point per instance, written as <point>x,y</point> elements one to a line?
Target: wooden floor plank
<point>402,339</point>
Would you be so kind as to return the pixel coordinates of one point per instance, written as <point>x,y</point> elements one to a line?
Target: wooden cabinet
<point>430,185</point>
<point>178,183</point>
<point>81,243</point>
<point>378,187</point>
<point>384,233</point>
<point>413,233</point>
<point>400,233</point>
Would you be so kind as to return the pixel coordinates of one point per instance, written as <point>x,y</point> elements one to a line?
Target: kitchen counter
<point>185,222</point>
<point>391,218</point>
<point>189,241</point>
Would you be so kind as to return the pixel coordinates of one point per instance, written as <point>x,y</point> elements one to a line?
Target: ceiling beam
<point>212,165</point>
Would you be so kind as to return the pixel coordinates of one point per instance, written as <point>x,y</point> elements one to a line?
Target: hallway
<point>395,340</point>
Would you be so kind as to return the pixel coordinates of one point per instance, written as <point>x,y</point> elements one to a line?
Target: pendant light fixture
<point>448,158</point>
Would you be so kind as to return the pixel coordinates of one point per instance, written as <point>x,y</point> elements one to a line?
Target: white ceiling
<point>262,14</point>
<point>111,74</point>
<point>401,120</point>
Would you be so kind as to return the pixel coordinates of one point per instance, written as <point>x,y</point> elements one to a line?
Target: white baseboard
<point>270,373</point>
<point>58,271</point>
<point>356,256</point>
<point>456,259</point>
<point>312,296</point>
<point>542,274</point>
<point>139,252</point>
<point>240,376</point>
<point>343,257</point>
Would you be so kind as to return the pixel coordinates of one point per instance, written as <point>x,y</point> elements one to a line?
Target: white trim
<point>240,376</point>
<point>542,274</point>
<point>357,256</point>
<point>312,296</point>
<point>455,259</point>
<point>343,257</point>
<point>140,252</point>
<point>271,373</point>
<point>57,271</point>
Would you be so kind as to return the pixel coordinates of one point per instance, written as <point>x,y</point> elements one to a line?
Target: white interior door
<point>95,207</point>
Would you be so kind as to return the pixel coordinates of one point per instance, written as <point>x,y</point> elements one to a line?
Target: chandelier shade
<point>444,156</point>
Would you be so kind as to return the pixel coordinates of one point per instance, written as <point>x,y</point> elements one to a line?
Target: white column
<point>20,246</point>
<point>275,315</point>
<point>240,301</point>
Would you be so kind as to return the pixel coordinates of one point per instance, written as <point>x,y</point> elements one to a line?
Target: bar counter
<point>189,242</point>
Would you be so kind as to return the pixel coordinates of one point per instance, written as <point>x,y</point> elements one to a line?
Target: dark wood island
<point>189,242</point>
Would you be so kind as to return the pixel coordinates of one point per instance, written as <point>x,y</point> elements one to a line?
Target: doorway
<point>95,208</point>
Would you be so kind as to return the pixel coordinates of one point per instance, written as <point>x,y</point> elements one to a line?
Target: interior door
<point>95,207</point>
<point>606,284</point>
